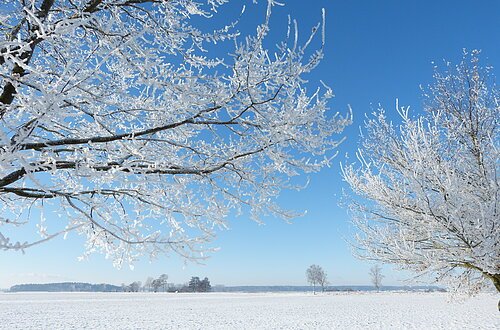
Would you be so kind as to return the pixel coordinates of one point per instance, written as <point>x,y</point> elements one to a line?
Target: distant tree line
<point>161,284</point>
<point>151,284</point>
<point>66,287</point>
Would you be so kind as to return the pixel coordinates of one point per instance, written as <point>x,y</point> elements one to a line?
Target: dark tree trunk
<point>496,281</point>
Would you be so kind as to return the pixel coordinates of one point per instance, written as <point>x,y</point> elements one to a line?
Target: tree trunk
<point>496,281</point>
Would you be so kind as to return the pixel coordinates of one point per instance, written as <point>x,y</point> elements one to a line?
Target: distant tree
<point>323,281</point>
<point>134,286</point>
<point>156,284</point>
<point>205,285</point>
<point>316,276</point>
<point>376,276</point>
<point>431,183</point>
<point>125,287</point>
<point>164,281</point>
<point>148,283</point>
<point>194,284</point>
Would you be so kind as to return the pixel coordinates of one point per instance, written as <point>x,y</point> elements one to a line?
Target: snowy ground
<point>383,310</point>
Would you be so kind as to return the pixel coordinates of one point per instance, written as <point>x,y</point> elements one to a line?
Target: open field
<point>384,310</point>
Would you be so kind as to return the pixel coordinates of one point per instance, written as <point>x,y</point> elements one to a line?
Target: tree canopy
<point>426,190</point>
<point>116,119</point>
<point>316,276</point>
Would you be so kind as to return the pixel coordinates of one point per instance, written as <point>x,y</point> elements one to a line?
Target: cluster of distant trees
<point>151,284</point>
<point>197,285</point>
<point>316,276</point>
<point>132,287</point>
<point>161,284</point>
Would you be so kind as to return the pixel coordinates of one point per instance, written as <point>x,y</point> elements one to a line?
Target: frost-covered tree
<point>123,120</point>
<point>156,284</point>
<point>134,286</point>
<point>427,188</point>
<point>316,276</point>
<point>148,284</point>
<point>376,276</point>
<point>323,281</point>
<point>159,284</point>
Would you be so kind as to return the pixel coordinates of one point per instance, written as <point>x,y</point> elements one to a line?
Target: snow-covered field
<point>246,311</point>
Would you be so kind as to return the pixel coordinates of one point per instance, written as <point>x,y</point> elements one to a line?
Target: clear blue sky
<point>376,51</point>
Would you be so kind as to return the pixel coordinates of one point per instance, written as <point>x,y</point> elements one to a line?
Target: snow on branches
<point>115,117</point>
<point>431,183</point>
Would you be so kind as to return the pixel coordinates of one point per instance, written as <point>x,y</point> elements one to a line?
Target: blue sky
<point>376,51</point>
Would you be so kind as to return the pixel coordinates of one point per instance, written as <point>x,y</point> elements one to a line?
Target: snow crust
<point>385,310</point>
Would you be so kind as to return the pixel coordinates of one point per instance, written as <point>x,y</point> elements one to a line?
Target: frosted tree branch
<point>121,118</point>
